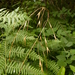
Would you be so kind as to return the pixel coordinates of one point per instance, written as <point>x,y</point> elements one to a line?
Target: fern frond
<point>14,68</point>
<point>22,52</point>
<point>2,64</point>
<point>10,20</point>
<point>3,11</point>
<point>35,56</point>
<point>17,52</point>
<point>2,48</point>
<point>53,66</point>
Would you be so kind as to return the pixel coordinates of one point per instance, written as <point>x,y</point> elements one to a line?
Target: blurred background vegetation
<point>50,4</point>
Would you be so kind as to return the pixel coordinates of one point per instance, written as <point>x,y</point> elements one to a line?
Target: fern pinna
<point>19,50</point>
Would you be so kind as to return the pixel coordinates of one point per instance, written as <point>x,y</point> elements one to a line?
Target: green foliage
<point>72,68</point>
<point>20,51</point>
<point>38,44</point>
<point>52,66</point>
<point>61,71</point>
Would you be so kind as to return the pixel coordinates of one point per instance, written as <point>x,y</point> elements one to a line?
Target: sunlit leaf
<point>61,71</point>
<point>72,68</point>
